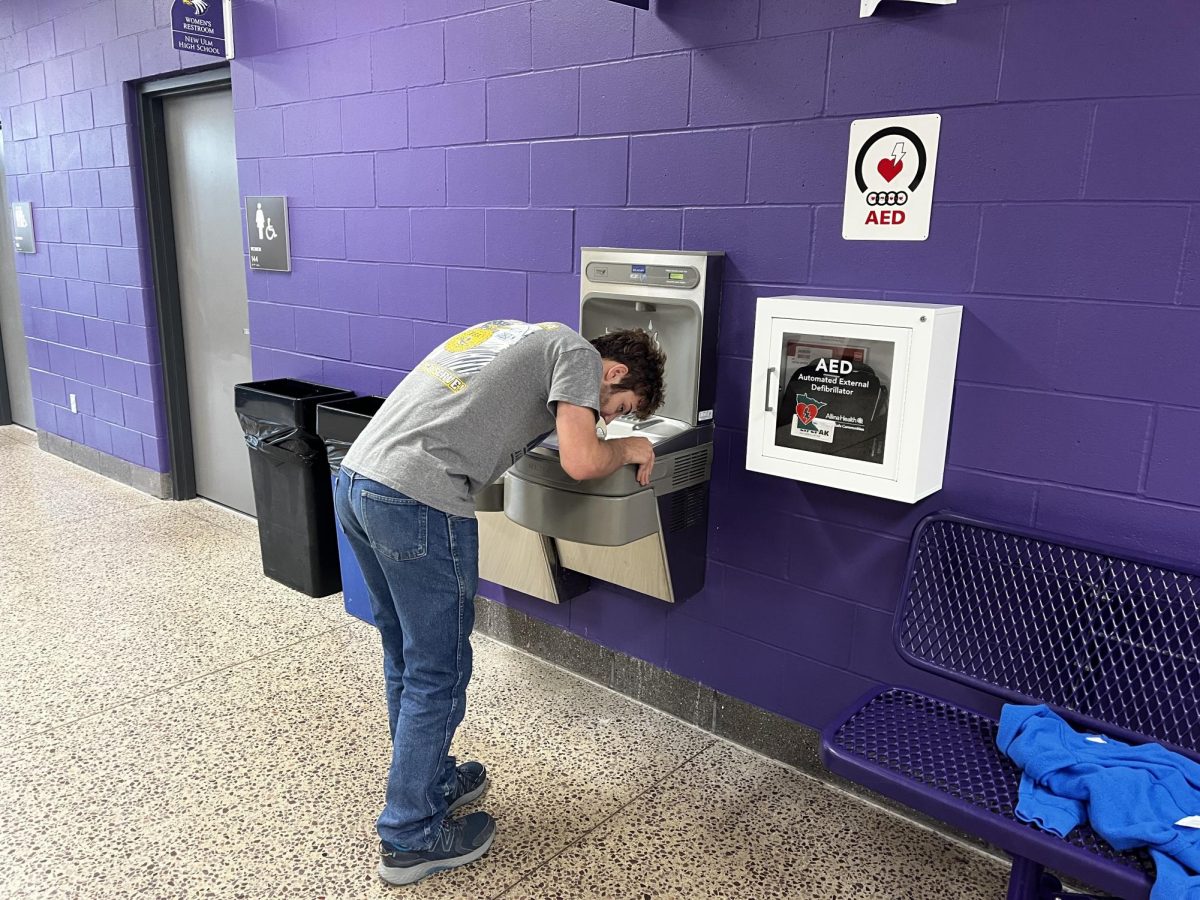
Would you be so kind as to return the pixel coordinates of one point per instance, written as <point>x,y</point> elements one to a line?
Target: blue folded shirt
<point>1132,796</point>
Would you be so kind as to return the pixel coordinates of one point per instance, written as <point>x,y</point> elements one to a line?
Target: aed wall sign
<point>889,178</point>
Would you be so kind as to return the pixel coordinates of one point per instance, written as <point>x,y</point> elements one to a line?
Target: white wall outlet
<point>74,405</point>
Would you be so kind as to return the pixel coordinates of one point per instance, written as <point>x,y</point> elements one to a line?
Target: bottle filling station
<point>544,533</point>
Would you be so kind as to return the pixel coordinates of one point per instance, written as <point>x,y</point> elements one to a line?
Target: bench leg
<point>1025,881</point>
<point>1029,881</point>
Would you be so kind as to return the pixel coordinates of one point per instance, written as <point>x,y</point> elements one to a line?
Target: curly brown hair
<point>639,351</point>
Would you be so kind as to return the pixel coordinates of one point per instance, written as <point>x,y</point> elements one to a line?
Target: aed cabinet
<point>853,394</point>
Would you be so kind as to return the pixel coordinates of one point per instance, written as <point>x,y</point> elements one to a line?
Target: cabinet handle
<point>767,400</point>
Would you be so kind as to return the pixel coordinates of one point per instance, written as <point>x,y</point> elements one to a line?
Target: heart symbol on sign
<point>890,168</point>
<point>806,412</point>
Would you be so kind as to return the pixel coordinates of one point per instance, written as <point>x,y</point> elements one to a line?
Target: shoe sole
<point>471,797</point>
<point>395,875</point>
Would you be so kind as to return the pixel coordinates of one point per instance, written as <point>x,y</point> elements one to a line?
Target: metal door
<point>12,331</point>
<point>212,287</point>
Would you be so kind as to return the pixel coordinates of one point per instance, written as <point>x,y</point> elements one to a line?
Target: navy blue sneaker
<point>459,842</point>
<point>470,783</point>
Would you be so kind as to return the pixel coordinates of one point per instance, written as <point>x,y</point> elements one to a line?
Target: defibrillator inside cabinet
<point>853,394</point>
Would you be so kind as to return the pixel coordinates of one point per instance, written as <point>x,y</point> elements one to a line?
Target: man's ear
<point>616,373</point>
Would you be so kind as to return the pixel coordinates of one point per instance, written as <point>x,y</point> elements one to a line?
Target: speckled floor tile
<point>18,435</point>
<point>148,547</point>
<point>271,772</point>
<point>732,825</point>
<point>868,854</point>
<point>226,518</point>
<point>131,603</point>
<point>255,776</point>
<point>40,490</point>
<point>173,724</point>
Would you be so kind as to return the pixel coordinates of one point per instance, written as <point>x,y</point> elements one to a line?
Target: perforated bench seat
<point>942,759</point>
<point>1110,642</point>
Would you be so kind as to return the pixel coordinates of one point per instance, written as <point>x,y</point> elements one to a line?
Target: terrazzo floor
<point>175,725</point>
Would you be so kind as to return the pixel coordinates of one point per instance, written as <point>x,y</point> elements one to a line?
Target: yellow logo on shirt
<point>444,375</point>
<point>469,339</point>
<point>468,352</point>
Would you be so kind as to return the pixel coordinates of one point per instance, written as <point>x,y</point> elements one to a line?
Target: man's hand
<point>639,452</point>
<point>585,456</point>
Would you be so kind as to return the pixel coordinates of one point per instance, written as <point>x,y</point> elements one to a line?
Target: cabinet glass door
<point>836,391</point>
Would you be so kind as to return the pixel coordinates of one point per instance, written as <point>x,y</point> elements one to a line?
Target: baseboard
<point>156,484</point>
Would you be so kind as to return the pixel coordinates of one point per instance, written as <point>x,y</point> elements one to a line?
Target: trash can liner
<point>340,422</point>
<point>292,492</point>
<point>336,451</point>
<point>280,441</point>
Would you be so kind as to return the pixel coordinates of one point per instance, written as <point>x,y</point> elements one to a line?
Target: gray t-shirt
<point>472,408</point>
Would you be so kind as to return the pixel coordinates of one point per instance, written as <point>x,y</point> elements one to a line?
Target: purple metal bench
<point>1111,643</point>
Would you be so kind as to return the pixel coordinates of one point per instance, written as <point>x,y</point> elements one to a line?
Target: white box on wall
<point>867,7</point>
<point>853,394</point>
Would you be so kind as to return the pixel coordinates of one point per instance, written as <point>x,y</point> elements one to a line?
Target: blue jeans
<point>421,567</point>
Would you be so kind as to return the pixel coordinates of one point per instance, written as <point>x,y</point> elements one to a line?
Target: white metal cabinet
<point>853,394</point>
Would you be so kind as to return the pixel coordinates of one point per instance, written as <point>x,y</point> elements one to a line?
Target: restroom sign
<point>22,220</point>
<point>267,234</point>
<point>889,178</point>
<point>203,26</point>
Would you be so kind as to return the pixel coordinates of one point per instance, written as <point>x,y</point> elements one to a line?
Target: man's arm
<point>584,456</point>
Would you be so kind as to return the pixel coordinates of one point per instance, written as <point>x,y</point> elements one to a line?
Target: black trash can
<point>291,483</point>
<point>339,422</point>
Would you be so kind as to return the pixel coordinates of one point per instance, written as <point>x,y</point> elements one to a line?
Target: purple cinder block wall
<point>445,162</point>
<point>86,295</point>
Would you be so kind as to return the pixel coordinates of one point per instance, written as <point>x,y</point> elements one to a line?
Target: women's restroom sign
<point>889,178</point>
<point>203,26</point>
<point>267,234</point>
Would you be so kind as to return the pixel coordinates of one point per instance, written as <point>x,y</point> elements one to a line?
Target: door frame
<point>160,221</point>
<point>6,404</point>
<point>6,409</point>
<point>6,417</point>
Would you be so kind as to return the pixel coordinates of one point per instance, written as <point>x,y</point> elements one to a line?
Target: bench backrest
<point>1033,619</point>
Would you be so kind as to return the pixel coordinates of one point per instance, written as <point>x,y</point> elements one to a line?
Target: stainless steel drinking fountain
<point>553,530</point>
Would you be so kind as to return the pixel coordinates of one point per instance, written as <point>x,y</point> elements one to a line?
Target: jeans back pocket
<point>398,528</point>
